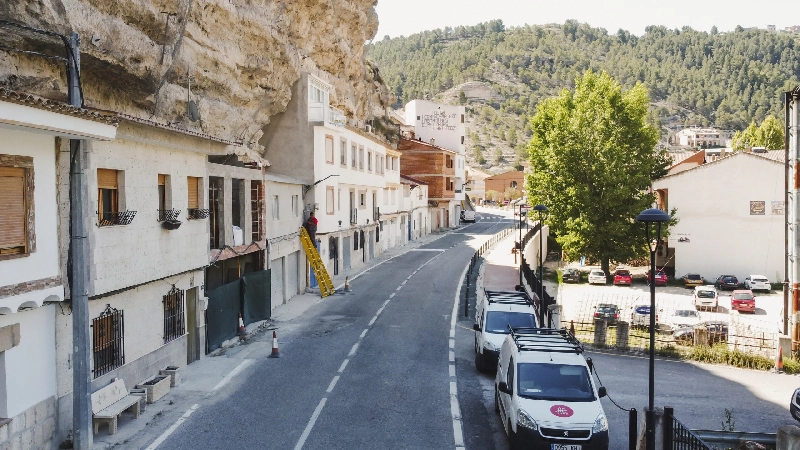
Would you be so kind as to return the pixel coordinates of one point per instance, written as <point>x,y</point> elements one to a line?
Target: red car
<point>743,300</point>
<point>622,276</point>
<point>661,278</point>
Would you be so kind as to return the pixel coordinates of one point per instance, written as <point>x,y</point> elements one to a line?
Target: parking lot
<point>751,332</point>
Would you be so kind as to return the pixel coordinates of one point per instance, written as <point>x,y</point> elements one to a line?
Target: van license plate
<point>564,447</point>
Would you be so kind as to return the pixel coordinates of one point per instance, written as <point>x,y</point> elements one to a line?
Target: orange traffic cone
<point>347,284</point>
<point>241,326</point>
<point>779,364</point>
<point>275,352</point>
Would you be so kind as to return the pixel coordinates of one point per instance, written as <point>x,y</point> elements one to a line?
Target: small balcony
<point>110,219</point>
<point>335,117</point>
<point>197,214</point>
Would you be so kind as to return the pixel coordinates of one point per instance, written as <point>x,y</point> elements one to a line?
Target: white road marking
<point>172,429</point>
<point>310,425</point>
<point>353,350</point>
<point>372,322</point>
<point>393,294</point>
<point>363,333</point>
<point>344,364</point>
<point>333,384</point>
<point>426,250</point>
<point>452,370</point>
<point>399,287</point>
<point>233,373</point>
<point>455,408</point>
<point>404,282</point>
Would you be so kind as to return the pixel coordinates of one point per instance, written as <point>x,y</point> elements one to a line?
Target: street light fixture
<point>658,217</point>
<point>542,211</point>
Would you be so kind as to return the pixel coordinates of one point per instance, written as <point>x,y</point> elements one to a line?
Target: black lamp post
<point>542,210</point>
<point>657,217</point>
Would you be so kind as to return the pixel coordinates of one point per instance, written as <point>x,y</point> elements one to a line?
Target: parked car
<point>661,278</point>
<point>597,276</point>
<point>622,276</point>
<point>757,283</point>
<point>692,280</point>
<point>682,318</point>
<point>794,405</point>
<point>571,276</point>
<point>743,300</point>
<point>716,331</point>
<point>545,393</point>
<point>706,297</point>
<point>640,316</point>
<point>498,311</point>
<point>608,313</point>
<point>727,282</point>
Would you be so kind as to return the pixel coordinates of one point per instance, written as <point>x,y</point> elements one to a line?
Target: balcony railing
<point>335,116</point>
<point>353,216</point>
<point>167,215</point>
<point>197,213</point>
<point>109,219</point>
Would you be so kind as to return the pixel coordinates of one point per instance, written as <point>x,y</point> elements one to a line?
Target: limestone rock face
<point>236,59</point>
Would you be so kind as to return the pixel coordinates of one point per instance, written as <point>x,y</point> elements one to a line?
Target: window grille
<point>108,346</point>
<point>174,326</point>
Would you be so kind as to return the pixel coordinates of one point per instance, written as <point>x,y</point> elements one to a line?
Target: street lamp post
<point>658,217</point>
<point>541,210</point>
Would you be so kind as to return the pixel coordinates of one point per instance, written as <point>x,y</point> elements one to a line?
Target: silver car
<point>757,283</point>
<point>706,297</point>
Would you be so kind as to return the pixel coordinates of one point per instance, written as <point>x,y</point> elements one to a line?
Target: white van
<point>499,311</point>
<point>468,216</point>
<point>545,394</point>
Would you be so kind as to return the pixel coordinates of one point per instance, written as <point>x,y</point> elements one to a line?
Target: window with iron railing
<point>174,326</point>
<point>108,346</point>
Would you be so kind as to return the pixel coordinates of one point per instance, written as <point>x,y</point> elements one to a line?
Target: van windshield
<point>497,322</point>
<point>569,383</point>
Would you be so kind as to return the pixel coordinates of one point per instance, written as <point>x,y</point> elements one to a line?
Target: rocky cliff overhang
<point>235,59</point>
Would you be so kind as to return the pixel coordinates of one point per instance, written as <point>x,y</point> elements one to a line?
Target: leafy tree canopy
<point>592,161</point>
<point>769,134</point>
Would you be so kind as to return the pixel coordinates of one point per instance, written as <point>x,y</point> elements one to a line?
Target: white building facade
<point>726,225</point>
<point>31,282</point>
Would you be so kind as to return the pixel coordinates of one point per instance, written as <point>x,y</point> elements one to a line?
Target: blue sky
<point>405,17</point>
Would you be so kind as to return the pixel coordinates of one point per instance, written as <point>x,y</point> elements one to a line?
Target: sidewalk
<point>202,379</point>
<point>500,270</point>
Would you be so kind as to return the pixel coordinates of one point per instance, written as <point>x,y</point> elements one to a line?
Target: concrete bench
<point>111,401</point>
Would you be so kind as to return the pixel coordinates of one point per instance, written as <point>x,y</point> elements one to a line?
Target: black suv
<point>727,282</point>
<point>608,313</point>
<point>571,276</point>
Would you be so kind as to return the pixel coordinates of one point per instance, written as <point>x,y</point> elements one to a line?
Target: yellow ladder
<point>324,280</point>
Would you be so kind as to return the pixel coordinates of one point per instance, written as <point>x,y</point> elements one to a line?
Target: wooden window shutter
<point>194,199</point>
<point>12,197</point>
<point>161,179</point>
<point>106,179</point>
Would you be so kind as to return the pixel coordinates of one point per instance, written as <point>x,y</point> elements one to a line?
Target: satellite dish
<point>192,112</point>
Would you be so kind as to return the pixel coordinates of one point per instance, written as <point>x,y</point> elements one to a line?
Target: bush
<point>791,365</point>
<point>721,354</point>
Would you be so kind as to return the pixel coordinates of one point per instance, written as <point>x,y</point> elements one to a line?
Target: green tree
<point>746,138</point>
<point>498,156</point>
<point>512,194</point>
<point>462,97</point>
<point>770,134</point>
<point>592,157</point>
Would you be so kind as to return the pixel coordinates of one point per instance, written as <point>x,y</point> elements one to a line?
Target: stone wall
<point>33,428</point>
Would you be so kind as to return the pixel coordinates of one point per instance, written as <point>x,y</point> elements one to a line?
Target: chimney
<point>432,141</point>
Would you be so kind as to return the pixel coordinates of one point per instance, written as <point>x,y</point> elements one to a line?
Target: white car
<point>545,394</point>
<point>597,276</point>
<point>705,297</point>
<point>757,283</point>
<point>498,311</point>
<point>683,318</point>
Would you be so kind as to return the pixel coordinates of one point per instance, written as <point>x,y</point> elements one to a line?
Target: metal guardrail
<point>736,437</point>
<point>476,257</point>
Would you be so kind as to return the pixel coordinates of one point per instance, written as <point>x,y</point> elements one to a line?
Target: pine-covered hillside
<point>694,77</point>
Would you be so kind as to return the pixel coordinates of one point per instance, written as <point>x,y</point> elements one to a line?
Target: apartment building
<point>350,174</point>
<point>435,166</point>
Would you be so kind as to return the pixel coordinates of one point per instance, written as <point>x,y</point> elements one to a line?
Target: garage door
<point>291,273</point>
<point>277,282</point>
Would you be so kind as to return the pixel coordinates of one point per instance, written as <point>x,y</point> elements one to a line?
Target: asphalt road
<point>368,369</point>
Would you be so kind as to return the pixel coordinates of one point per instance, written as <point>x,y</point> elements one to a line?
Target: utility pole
<point>82,438</point>
<point>794,212</point>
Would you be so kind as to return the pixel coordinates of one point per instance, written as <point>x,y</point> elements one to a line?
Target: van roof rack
<point>545,340</point>
<point>508,297</point>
